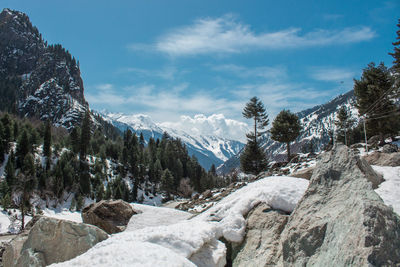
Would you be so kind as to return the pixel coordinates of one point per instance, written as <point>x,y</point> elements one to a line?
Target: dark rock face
<point>110,215</point>
<point>50,85</point>
<point>340,220</point>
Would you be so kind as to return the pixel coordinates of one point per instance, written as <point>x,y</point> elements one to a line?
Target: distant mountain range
<point>208,149</point>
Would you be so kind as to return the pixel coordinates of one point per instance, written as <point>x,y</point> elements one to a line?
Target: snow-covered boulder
<point>110,215</point>
<point>341,221</point>
<point>50,241</point>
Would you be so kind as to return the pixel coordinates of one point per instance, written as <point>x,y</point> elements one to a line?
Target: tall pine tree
<point>253,159</point>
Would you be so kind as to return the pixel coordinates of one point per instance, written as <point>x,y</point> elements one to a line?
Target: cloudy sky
<point>169,59</point>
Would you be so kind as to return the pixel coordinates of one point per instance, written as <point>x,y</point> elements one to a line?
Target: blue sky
<point>173,58</point>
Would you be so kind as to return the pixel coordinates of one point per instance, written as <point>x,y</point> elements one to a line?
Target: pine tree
<point>167,181</point>
<point>47,143</point>
<point>74,137</point>
<point>253,159</point>
<point>285,129</point>
<point>374,93</point>
<point>10,170</point>
<point>23,147</point>
<point>396,53</point>
<point>85,136</point>
<point>343,123</point>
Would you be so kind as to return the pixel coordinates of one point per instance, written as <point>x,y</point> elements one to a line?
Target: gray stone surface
<point>50,241</point>
<point>262,241</point>
<point>341,221</point>
<point>110,215</point>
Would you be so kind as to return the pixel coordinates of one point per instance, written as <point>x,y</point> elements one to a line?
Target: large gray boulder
<point>262,241</point>
<point>110,215</point>
<point>341,221</point>
<point>50,241</point>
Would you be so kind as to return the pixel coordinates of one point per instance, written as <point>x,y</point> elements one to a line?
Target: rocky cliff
<point>37,79</point>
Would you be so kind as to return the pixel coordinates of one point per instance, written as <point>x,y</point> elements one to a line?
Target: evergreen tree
<point>374,99</point>
<point>167,182</point>
<point>74,138</point>
<point>285,129</point>
<point>253,159</point>
<point>47,143</point>
<point>23,147</point>
<point>10,170</point>
<point>3,143</point>
<point>396,52</point>
<point>85,136</point>
<point>343,124</point>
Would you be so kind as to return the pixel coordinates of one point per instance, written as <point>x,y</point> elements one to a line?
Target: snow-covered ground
<point>196,238</point>
<point>389,190</point>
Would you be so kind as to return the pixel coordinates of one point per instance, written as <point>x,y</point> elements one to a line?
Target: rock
<point>110,215</point>
<point>207,194</point>
<point>306,173</point>
<point>383,159</point>
<point>13,249</point>
<point>262,240</point>
<point>341,221</point>
<point>50,241</point>
<point>390,148</point>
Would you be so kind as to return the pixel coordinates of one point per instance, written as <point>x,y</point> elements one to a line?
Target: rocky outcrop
<point>50,241</point>
<point>262,241</point>
<point>383,159</point>
<point>341,221</point>
<point>110,215</point>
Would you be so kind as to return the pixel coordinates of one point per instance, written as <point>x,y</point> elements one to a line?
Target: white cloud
<point>162,105</point>
<point>330,74</point>
<point>227,35</point>
<point>261,72</point>
<point>215,124</point>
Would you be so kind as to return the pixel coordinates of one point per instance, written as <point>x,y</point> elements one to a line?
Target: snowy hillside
<point>208,149</point>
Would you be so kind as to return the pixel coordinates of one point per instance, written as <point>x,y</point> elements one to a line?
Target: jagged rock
<point>383,159</point>
<point>50,241</point>
<point>390,148</point>
<point>341,221</point>
<point>306,173</point>
<point>261,242</point>
<point>110,215</point>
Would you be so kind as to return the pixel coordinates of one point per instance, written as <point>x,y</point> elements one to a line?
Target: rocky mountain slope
<point>208,149</point>
<point>318,122</point>
<point>38,80</point>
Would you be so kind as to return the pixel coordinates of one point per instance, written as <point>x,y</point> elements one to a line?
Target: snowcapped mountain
<point>38,80</point>
<point>208,149</point>
<point>317,124</point>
